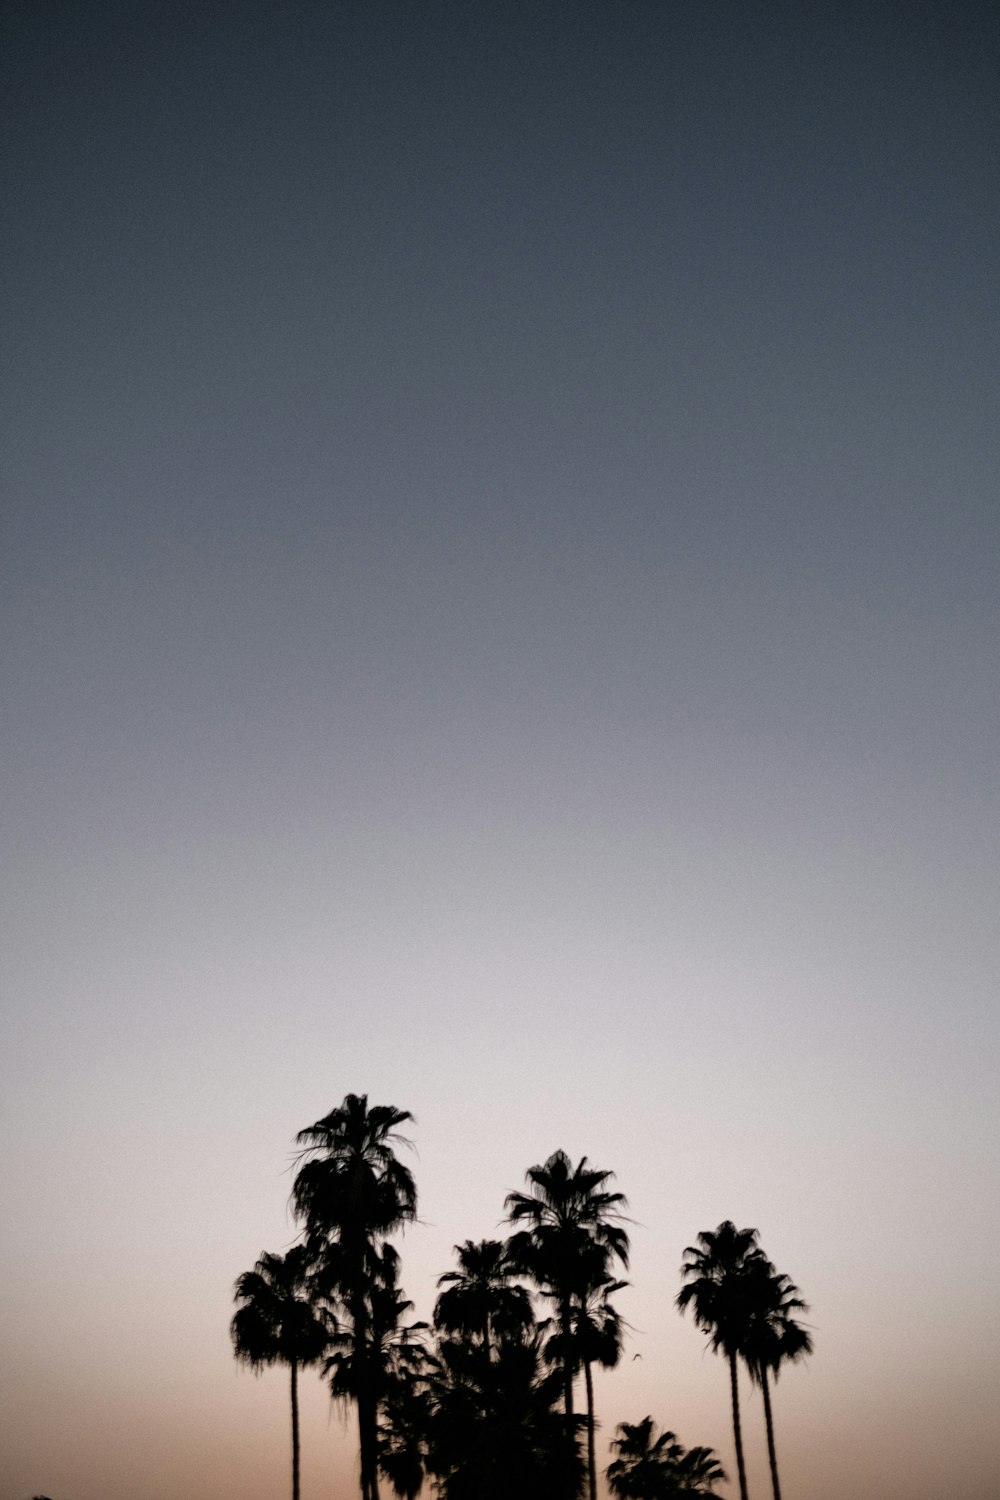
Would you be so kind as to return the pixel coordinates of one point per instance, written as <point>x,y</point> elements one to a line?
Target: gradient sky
<point>500,613</point>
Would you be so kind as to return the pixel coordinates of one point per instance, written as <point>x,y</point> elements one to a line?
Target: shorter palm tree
<point>772,1338</point>
<point>496,1427</point>
<point>659,1468</point>
<point>403,1432</point>
<point>482,1300</point>
<point>595,1339</point>
<point>277,1323</point>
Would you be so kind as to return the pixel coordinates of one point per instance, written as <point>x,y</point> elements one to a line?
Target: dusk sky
<point>500,613</point>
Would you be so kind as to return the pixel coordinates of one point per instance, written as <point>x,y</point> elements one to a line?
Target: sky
<point>499,603</point>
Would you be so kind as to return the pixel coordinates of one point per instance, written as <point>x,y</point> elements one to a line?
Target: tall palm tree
<point>658,1468</point>
<point>574,1232</point>
<point>352,1192</point>
<point>481,1299</point>
<point>277,1323</point>
<point>717,1270</point>
<point>773,1338</point>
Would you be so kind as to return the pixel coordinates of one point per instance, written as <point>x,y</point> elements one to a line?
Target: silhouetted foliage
<point>717,1270</point>
<point>574,1233</point>
<point>277,1323</point>
<point>394,1360</point>
<point>772,1338</point>
<point>483,1403</point>
<point>352,1192</point>
<point>496,1428</point>
<point>482,1300</point>
<point>659,1468</point>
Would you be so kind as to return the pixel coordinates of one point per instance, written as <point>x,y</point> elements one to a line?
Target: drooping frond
<point>659,1468</point>
<point>720,1272</point>
<point>277,1320</point>
<point>773,1337</point>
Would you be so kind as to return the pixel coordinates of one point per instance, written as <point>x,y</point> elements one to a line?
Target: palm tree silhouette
<point>598,1333</point>
<point>649,1468</point>
<point>717,1270</point>
<point>352,1192</point>
<point>772,1338</point>
<point>277,1324</point>
<point>698,1471</point>
<point>637,1472</point>
<point>574,1233</point>
<point>595,1339</point>
<point>481,1299</point>
<point>402,1436</point>
<point>395,1361</point>
<point>496,1428</point>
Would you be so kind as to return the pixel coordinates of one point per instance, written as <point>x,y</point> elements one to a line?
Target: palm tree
<point>717,1270</point>
<point>481,1299</point>
<point>395,1362</point>
<point>352,1192</point>
<point>574,1233</point>
<point>402,1438</point>
<point>649,1468</point>
<point>597,1340</point>
<point>698,1471</point>
<point>773,1337</point>
<point>637,1472</point>
<point>276,1323</point>
<point>496,1428</point>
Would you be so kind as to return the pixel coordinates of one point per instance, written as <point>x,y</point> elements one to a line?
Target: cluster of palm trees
<point>746,1307</point>
<point>482,1401</point>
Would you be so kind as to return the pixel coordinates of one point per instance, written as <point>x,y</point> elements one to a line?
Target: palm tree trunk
<point>571,1453</point>
<point>737,1434</point>
<point>591,1459</point>
<point>367,1419</point>
<point>567,1364</point>
<point>368,1424</point>
<point>362,1447</point>
<point>295,1429</point>
<point>769,1423</point>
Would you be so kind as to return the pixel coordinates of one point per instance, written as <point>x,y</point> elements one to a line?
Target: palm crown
<point>351,1183</point>
<point>277,1322</point>
<point>659,1468</point>
<point>481,1299</point>
<point>573,1233</point>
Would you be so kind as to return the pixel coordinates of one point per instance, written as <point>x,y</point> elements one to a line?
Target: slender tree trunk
<point>362,1445</point>
<point>368,1424</point>
<point>567,1363</point>
<point>769,1423</point>
<point>367,1410</point>
<point>591,1459</point>
<point>737,1433</point>
<point>295,1429</point>
<point>566,1321</point>
<point>374,1447</point>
